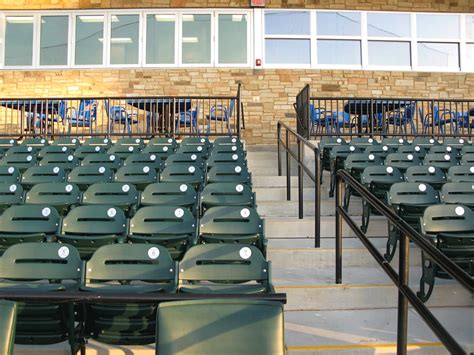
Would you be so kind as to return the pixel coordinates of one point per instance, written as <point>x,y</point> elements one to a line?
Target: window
<point>470,55</point>
<point>196,39</point>
<point>338,23</point>
<point>54,40</point>
<point>339,52</point>
<point>232,47</point>
<point>160,39</point>
<point>124,39</point>
<point>380,24</point>
<point>470,27</point>
<point>437,26</point>
<point>389,53</point>
<point>19,40</point>
<point>287,37</point>
<point>89,40</point>
<point>445,55</point>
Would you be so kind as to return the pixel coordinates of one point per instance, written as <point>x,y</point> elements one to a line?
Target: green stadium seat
<point>457,142</point>
<point>451,230</point>
<point>123,151</point>
<point>227,141</point>
<point>173,227</point>
<point>35,142</point>
<point>85,150</point>
<point>426,174</point>
<point>425,142</point>
<point>337,157</point>
<point>118,194</point>
<point>185,159</point>
<point>199,150</point>
<point>104,143</point>
<point>170,194</point>
<point>461,193</point>
<point>225,159</point>
<point>61,195</point>
<point>20,150</point>
<point>71,143</point>
<point>203,141</point>
<point>420,152</point>
<point>140,175</point>
<point>9,174</point>
<point>224,268</point>
<point>220,327</point>
<point>378,180</point>
<point>442,161</point>
<point>236,174</point>
<point>467,159</point>
<point>27,223</point>
<point>163,141</point>
<point>65,161</point>
<point>394,142</point>
<point>129,268</point>
<point>137,143</point>
<point>86,175</point>
<point>90,227</point>
<point>402,161</point>
<point>110,161</point>
<point>6,143</point>
<point>7,326</point>
<point>460,173</point>
<point>162,152</point>
<point>232,224</point>
<point>43,267</point>
<point>53,149</point>
<point>151,160</point>
<point>379,150</point>
<point>10,194</point>
<point>42,173</point>
<point>183,174</point>
<point>445,149</point>
<point>467,149</point>
<point>325,147</point>
<point>228,148</point>
<point>226,194</point>
<point>409,200</point>
<point>362,142</point>
<point>19,161</point>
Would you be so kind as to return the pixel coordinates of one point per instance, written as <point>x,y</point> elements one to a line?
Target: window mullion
<point>364,42</point>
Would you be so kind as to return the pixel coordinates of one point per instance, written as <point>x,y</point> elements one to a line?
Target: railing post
<point>239,100</point>
<point>403,274</point>
<point>288,176</point>
<point>300,179</point>
<point>278,147</point>
<point>339,185</point>
<point>317,200</point>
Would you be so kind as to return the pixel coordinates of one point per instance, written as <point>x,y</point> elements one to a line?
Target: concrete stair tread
<point>326,243</point>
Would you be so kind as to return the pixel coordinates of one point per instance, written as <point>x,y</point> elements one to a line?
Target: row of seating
<point>121,268</point>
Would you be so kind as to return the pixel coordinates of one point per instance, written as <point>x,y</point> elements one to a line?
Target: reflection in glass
<point>124,39</point>
<point>438,54</point>
<point>287,51</point>
<point>470,55</point>
<point>470,27</point>
<point>160,39</point>
<point>339,52</point>
<point>232,39</point>
<point>338,23</point>
<point>89,39</point>
<point>196,39</point>
<point>19,40</point>
<point>382,24</point>
<point>54,40</point>
<point>287,23</point>
<point>437,26</point>
<point>389,53</point>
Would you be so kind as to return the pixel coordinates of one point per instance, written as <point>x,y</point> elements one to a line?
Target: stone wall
<point>268,95</point>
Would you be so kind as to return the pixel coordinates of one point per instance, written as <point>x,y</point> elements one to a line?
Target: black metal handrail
<point>302,168</point>
<point>405,294</point>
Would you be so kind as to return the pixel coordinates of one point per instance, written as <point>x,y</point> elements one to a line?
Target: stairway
<point>360,315</point>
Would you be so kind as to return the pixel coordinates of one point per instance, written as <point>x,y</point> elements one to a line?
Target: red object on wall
<point>258,62</point>
<point>257,3</point>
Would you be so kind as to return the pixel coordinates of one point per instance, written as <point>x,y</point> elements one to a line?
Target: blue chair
<point>463,120</point>
<point>85,116</point>
<point>437,118</point>
<point>42,120</point>
<point>400,119</point>
<point>188,118</point>
<point>220,113</point>
<point>119,115</point>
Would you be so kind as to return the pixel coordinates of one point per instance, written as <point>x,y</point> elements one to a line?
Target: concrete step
<point>290,208</point>
<point>326,243</point>
<point>272,180</point>
<point>362,288</point>
<point>371,331</point>
<point>279,193</point>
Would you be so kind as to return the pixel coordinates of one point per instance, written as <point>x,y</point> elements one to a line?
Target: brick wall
<point>268,95</point>
<point>387,5</point>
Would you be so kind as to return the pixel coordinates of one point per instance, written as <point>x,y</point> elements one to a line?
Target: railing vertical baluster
<point>403,274</point>
<point>288,177</point>
<point>317,199</point>
<point>300,179</point>
<point>339,186</point>
<point>278,147</point>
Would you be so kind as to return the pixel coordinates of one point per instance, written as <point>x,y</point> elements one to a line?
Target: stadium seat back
<point>460,173</point>
<point>227,159</point>
<point>86,150</point>
<point>183,174</point>
<point>441,160</point>
<point>35,142</point>
<point>461,193</point>
<point>21,150</point>
<point>59,195</point>
<point>138,143</point>
<point>65,161</point>
<point>105,143</point>
<point>43,173</point>
<point>185,159</point>
<point>9,174</point>
<point>86,175</point>
<point>110,161</point>
<point>417,150</point>
<point>169,193</point>
<point>54,149</point>
<point>71,143</point>
<point>10,194</point>
<point>151,160</point>
<point>425,142</point>
<point>226,194</point>
<point>19,161</point>
<point>163,141</point>
<point>402,161</point>
<point>467,159</point>
<point>426,174</point>
<point>118,194</point>
<point>394,142</point>
<point>235,174</point>
<point>140,175</point>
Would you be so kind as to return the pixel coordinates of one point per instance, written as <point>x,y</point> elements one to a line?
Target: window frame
<point>35,43</point>
<point>69,41</point>
<point>250,36</point>
<point>105,36</point>
<point>108,38</point>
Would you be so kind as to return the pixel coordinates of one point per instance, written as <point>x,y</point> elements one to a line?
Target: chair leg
<point>347,197</point>
<point>332,184</point>
<point>427,278</point>
<point>391,242</point>
<point>365,216</point>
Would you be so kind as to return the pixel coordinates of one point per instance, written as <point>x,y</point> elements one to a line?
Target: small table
<point>371,108</point>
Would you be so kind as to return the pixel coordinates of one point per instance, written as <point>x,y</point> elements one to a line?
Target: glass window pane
<point>232,39</point>
<point>124,39</point>
<point>287,51</point>
<point>89,39</point>
<point>438,54</point>
<point>470,55</point>
<point>470,27</point>
<point>339,52</point>
<point>338,23</point>
<point>437,26</point>
<point>389,53</point>
<point>287,23</point>
<point>196,39</point>
<point>54,40</point>
<point>388,25</point>
<point>160,35</point>
<point>19,40</point>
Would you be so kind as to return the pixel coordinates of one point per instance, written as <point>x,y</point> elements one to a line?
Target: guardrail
<point>137,116</point>
<point>301,142</point>
<point>405,294</point>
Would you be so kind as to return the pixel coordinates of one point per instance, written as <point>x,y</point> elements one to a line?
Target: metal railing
<point>405,294</point>
<point>383,116</point>
<point>301,143</point>
<point>139,116</point>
